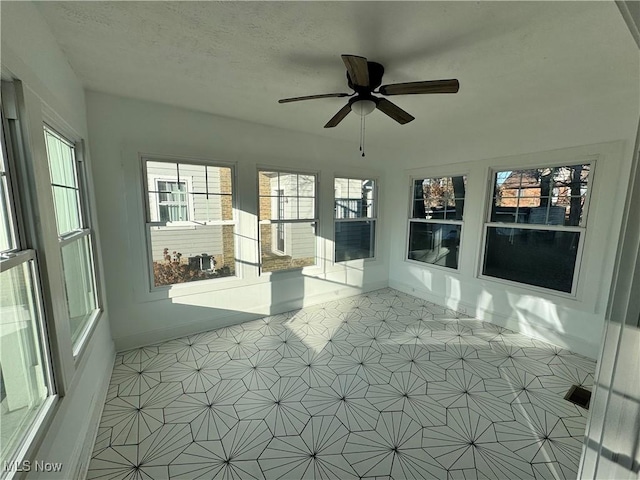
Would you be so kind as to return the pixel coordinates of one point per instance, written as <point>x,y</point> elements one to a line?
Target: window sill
<point>433,265</point>
<point>310,271</point>
<point>529,289</point>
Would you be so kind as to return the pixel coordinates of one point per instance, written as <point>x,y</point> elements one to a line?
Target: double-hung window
<point>172,201</point>
<point>536,226</point>
<point>355,219</point>
<point>435,225</point>
<point>190,221</point>
<point>287,219</point>
<point>25,371</point>
<point>74,232</point>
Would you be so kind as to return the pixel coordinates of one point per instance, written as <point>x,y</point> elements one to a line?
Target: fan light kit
<point>363,77</point>
<point>363,107</point>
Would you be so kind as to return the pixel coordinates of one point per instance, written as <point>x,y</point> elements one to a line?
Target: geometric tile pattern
<point>377,386</point>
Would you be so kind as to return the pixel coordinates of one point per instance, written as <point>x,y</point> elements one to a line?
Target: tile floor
<point>379,386</point>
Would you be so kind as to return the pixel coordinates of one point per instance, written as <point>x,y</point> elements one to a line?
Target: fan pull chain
<point>362,123</point>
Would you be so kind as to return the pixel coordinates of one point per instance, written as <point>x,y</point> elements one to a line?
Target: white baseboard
<point>554,337</point>
<point>191,328</point>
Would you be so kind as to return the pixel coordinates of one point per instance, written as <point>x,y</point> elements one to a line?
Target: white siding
<point>348,188</point>
<point>200,208</point>
<point>300,240</point>
<point>189,241</point>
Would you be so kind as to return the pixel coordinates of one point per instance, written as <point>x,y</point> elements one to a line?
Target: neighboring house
<point>353,200</point>
<point>286,196</point>
<point>187,212</point>
<point>543,196</point>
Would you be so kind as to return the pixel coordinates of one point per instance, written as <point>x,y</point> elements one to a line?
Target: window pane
<point>219,179</point>
<point>287,208</point>
<point>210,208</point>
<point>62,168</point>
<point>159,171</point>
<point>65,201</point>
<point>353,198</point>
<point>267,183</point>
<point>307,185</point>
<point>61,161</point>
<point>354,240</point>
<point>173,213</point>
<point>439,198</point>
<point>79,281</point>
<point>288,183</point>
<point>286,196</point>
<point>195,176</point>
<point>188,254</point>
<point>543,196</point>
<point>306,208</point>
<point>434,243</point>
<point>288,245</point>
<point>535,257</point>
<point>23,384</point>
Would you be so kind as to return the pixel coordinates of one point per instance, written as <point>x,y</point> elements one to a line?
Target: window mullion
<point>358,219</point>
<point>534,226</point>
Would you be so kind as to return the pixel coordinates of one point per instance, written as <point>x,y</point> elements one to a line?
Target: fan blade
<point>358,69</point>
<point>412,88</point>
<point>313,97</point>
<point>394,111</point>
<point>337,118</point>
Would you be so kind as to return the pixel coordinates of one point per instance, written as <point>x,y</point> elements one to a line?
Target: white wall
<point>123,129</point>
<point>52,92</point>
<point>511,136</point>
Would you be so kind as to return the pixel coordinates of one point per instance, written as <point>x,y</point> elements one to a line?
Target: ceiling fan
<point>363,77</point>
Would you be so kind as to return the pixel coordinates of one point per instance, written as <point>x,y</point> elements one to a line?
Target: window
<point>172,201</point>
<point>74,232</point>
<point>355,219</point>
<point>287,220</point>
<point>435,226</point>
<point>25,373</point>
<point>190,221</point>
<point>536,226</point>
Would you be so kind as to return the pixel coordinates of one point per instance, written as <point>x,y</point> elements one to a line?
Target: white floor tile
<point>382,386</point>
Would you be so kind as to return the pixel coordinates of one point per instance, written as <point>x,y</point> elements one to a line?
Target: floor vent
<point>578,395</point>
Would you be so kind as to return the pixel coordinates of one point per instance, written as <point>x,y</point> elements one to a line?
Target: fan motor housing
<point>376,71</point>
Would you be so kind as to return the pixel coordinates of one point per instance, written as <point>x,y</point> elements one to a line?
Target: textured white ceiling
<point>236,59</point>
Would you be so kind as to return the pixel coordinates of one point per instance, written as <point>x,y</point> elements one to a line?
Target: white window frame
<point>432,221</point>
<point>20,254</point>
<point>148,224</point>
<point>581,229</point>
<point>373,219</point>
<point>316,267</point>
<point>85,231</point>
